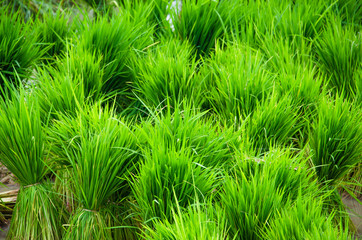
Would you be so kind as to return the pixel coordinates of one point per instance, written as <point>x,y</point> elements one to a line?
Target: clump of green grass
<point>336,139</point>
<point>202,23</point>
<point>188,129</point>
<point>37,212</point>
<point>167,75</point>
<point>155,12</point>
<point>199,221</point>
<point>168,178</point>
<point>349,11</point>
<point>54,29</point>
<point>340,55</point>
<point>305,219</point>
<point>74,80</point>
<point>237,81</point>
<point>261,186</point>
<point>101,158</point>
<point>69,129</point>
<point>273,123</point>
<point>19,48</point>
<point>249,204</point>
<point>299,20</point>
<point>113,41</point>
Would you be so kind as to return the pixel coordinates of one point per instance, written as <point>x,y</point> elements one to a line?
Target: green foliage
<point>101,160</point>
<point>113,40</point>
<point>54,29</point>
<point>75,80</point>
<point>201,23</point>
<point>336,139</point>
<point>304,220</point>
<point>273,123</point>
<point>340,54</point>
<point>22,138</point>
<point>168,178</point>
<point>167,75</point>
<point>299,20</point>
<point>350,11</point>
<point>260,187</point>
<point>185,128</point>
<point>197,222</point>
<point>19,48</point>
<point>249,204</point>
<point>207,119</point>
<point>154,11</point>
<point>23,152</point>
<point>237,81</point>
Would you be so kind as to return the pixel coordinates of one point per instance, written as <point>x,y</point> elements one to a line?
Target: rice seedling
<point>100,160</point>
<point>287,167</point>
<point>168,178</point>
<point>249,204</point>
<point>297,76</point>
<point>350,12</point>
<point>113,40</point>
<point>75,79</point>
<point>339,52</point>
<point>188,129</point>
<point>69,129</point>
<point>305,219</point>
<point>237,81</point>
<point>98,5</point>
<point>58,91</point>
<point>261,186</point>
<point>19,48</point>
<point>167,75</point>
<point>273,123</point>
<point>299,20</point>
<point>54,30</point>
<point>37,213</point>
<point>199,221</point>
<point>336,139</point>
<point>162,119</point>
<point>155,12</point>
<point>201,23</point>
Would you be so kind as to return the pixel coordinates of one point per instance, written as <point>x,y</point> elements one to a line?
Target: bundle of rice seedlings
<point>199,221</point>
<point>101,155</point>
<point>155,12</point>
<point>289,168</point>
<point>249,204</point>
<point>349,11</point>
<point>168,76</point>
<point>237,81</point>
<point>260,187</point>
<point>305,219</point>
<point>340,55</point>
<point>188,129</point>
<point>74,80</point>
<point>19,48</point>
<point>336,139</point>
<point>37,213</point>
<point>54,29</point>
<point>274,123</point>
<point>300,20</point>
<point>114,40</point>
<point>202,23</point>
<point>169,177</point>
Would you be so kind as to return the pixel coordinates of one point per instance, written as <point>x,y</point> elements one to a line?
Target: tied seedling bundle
<point>37,214</point>
<point>100,150</point>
